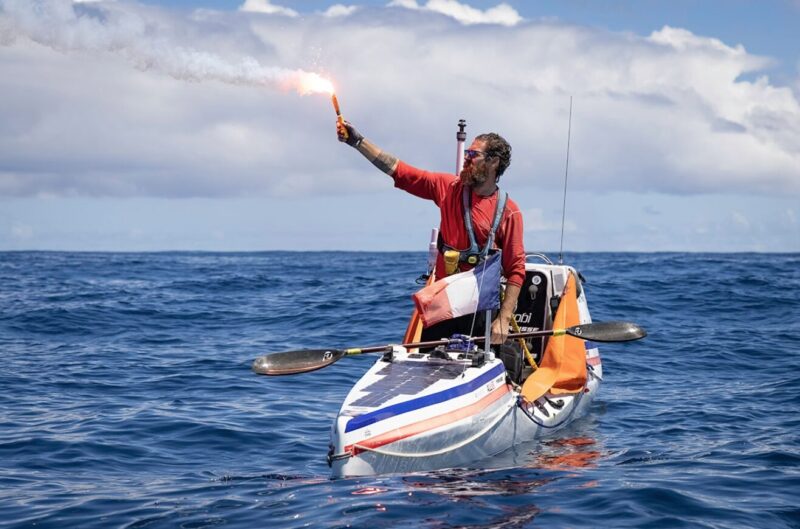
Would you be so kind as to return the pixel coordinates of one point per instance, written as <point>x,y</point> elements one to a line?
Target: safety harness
<point>474,254</point>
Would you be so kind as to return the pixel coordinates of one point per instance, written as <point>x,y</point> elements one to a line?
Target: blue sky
<point>165,125</point>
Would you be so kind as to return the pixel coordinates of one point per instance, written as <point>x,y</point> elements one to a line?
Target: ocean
<point>127,399</point>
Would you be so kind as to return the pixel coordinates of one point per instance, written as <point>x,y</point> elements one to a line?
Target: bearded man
<point>477,218</point>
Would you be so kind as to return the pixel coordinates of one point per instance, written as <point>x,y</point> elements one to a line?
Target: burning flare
<point>311,83</point>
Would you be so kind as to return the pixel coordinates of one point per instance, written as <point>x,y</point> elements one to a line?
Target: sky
<point>187,124</point>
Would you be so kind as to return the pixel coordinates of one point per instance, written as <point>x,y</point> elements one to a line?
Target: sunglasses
<point>470,154</point>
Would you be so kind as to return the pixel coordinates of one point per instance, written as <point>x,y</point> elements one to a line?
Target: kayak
<point>417,410</point>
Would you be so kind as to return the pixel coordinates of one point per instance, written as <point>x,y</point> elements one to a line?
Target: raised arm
<point>384,161</point>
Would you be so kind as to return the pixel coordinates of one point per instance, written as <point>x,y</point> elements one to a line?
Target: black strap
<point>502,197</point>
<point>474,251</point>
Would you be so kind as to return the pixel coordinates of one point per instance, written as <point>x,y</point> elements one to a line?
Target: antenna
<point>566,175</point>
<point>461,137</point>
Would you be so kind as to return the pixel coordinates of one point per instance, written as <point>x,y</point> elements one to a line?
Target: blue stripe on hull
<point>428,400</point>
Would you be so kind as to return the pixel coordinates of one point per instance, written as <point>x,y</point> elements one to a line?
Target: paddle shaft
<point>291,362</point>
<point>445,341</point>
<point>612,331</point>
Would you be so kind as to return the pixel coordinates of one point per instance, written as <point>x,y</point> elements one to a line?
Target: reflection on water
<point>571,453</point>
<point>472,483</point>
<point>509,493</point>
<point>366,491</point>
<point>492,492</point>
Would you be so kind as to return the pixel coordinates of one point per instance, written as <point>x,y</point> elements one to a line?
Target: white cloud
<point>265,6</point>
<point>682,39</point>
<point>665,113</point>
<point>340,10</point>
<point>502,14</point>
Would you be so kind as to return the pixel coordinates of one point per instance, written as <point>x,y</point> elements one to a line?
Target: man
<point>476,186</point>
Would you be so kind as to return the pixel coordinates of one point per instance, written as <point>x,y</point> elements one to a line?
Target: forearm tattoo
<point>380,159</point>
<point>385,162</point>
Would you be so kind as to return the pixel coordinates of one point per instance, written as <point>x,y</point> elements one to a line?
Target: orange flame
<point>313,83</point>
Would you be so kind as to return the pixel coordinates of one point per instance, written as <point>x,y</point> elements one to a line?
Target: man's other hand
<point>500,329</point>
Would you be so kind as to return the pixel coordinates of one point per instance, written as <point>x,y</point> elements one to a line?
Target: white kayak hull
<point>414,412</point>
<point>457,443</point>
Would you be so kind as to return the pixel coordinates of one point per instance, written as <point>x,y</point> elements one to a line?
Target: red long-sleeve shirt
<point>445,190</point>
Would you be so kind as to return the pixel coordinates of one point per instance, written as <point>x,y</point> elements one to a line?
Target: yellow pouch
<point>450,261</point>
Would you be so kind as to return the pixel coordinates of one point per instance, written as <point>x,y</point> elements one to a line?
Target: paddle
<point>291,362</point>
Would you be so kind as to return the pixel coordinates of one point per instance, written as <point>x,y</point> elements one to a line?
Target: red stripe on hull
<point>428,424</point>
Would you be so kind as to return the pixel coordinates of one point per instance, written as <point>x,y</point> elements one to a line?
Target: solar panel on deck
<point>406,378</point>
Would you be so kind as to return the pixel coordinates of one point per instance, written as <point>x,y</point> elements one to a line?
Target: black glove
<point>348,133</point>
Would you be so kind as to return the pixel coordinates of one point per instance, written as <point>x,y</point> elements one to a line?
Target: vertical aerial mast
<point>566,174</point>
<point>461,137</point>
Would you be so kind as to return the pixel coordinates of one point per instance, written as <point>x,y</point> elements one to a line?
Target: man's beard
<point>471,176</point>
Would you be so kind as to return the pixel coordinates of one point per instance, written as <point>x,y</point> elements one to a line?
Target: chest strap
<point>474,254</point>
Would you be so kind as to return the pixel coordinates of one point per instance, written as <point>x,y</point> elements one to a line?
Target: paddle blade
<point>608,331</point>
<point>292,362</point>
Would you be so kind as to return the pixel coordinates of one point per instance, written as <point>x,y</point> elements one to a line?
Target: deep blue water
<point>127,400</point>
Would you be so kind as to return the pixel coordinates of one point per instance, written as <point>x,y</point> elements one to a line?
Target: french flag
<point>464,293</point>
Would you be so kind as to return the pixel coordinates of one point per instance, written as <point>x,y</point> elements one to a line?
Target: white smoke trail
<point>109,27</point>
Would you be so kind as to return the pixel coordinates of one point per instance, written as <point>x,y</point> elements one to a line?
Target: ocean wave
<point>129,401</point>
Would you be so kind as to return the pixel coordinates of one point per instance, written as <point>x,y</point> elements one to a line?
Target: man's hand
<point>500,329</point>
<point>382,160</point>
<point>348,134</point>
<point>503,320</point>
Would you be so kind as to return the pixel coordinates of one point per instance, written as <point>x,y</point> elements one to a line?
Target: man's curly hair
<point>499,148</point>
